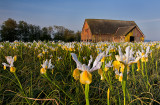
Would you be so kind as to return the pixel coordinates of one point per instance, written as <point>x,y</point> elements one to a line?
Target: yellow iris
<point>103,59</point>
<point>43,71</point>
<point>106,69</point>
<point>144,59</point>
<point>76,74</point>
<point>120,78</point>
<point>70,49</point>
<point>43,52</point>
<point>4,67</point>
<point>15,58</point>
<point>117,76</point>
<point>100,72</point>
<point>116,65</point>
<point>12,69</point>
<point>85,77</point>
<point>122,67</point>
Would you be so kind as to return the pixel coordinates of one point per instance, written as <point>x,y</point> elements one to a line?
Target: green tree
<point>59,34</point>
<point>78,36</point>
<point>64,34</point>
<point>46,33</point>
<point>23,31</point>
<point>9,30</point>
<point>34,32</point>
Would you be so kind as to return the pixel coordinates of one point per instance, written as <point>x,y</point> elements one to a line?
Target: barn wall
<point>86,33</point>
<point>137,35</point>
<point>98,38</point>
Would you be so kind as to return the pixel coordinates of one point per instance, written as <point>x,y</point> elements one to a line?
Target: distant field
<point>49,73</point>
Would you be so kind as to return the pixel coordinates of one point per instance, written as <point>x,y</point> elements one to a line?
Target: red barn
<point>95,30</point>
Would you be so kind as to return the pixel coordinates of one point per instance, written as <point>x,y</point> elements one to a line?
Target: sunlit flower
<point>86,76</point>
<point>127,59</point>
<point>118,75</point>
<point>112,48</point>
<point>59,58</point>
<point>76,74</point>
<point>107,66</point>
<point>144,55</point>
<point>116,65</point>
<point>103,59</point>
<point>40,55</point>
<point>44,51</point>
<point>1,46</point>
<point>10,60</point>
<point>46,65</point>
<point>100,72</point>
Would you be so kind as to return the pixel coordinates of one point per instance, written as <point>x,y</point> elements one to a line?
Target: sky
<point>72,13</point>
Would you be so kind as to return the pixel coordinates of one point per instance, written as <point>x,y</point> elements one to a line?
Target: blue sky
<point>72,13</point>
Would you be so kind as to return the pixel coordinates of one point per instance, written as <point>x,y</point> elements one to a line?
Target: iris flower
<point>144,56</point>
<point>86,76</point>
<point>10,60</point>
<point>46,65</point>
<point>108,65</point>
<point>127,58</point>
<point>119,75</point>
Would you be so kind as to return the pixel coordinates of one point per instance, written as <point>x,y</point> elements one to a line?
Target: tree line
<point>11,31</point>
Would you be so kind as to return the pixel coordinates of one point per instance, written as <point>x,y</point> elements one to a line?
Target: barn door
<point>131,38</point>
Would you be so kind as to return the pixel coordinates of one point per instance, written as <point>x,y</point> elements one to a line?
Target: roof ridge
<point>110,20</point>
<point>127,26</point>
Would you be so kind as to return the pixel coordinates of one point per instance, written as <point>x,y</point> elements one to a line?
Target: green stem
<point>156,69</point>
<point>20,85</point>
<point>142,69</point>
<point>21,53</point>
<point>147,74</point>
<point>18,81</point>
<point>124,84</point>
<point>86,93</point>
<point>133,74</point>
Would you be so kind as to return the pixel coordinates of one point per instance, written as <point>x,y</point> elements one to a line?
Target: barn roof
<point>123,30</point>
<point>104,26</point>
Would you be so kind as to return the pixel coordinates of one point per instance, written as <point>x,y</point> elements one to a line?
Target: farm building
<point>95,30</point>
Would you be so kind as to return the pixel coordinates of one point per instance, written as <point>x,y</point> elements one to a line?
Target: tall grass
<point>28,86</point>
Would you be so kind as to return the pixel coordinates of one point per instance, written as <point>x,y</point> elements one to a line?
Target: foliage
<point>11,30</point>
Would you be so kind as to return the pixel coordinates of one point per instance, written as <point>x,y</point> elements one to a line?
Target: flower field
<point>79,73</point>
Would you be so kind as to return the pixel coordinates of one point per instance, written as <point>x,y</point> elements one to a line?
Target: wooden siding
<point>86,33</point>
<point>97,38</point>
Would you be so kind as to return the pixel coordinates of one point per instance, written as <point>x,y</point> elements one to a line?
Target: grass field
<point>27,76</point>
